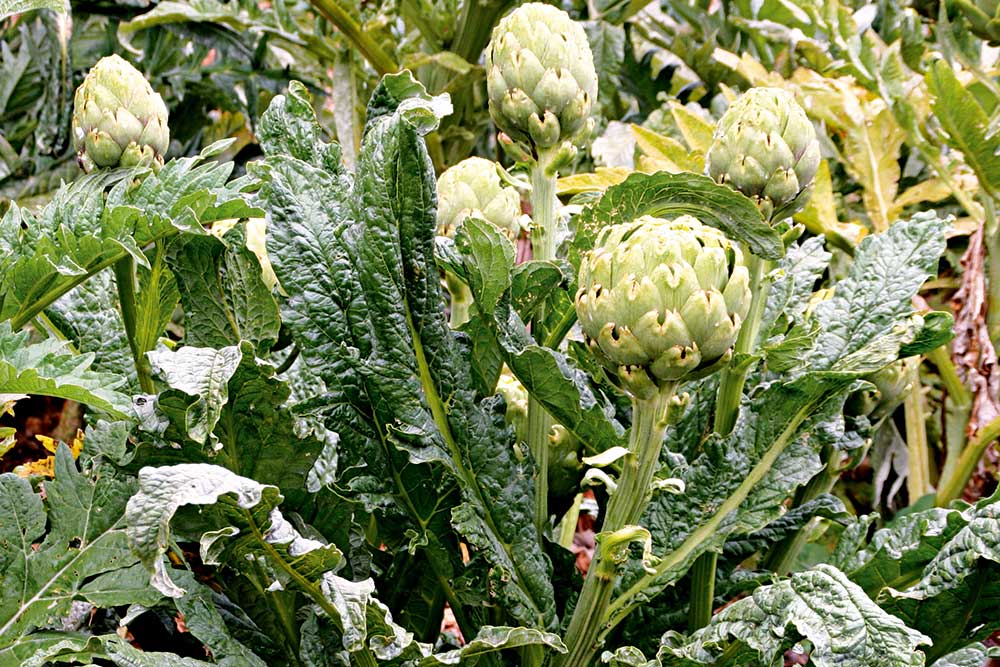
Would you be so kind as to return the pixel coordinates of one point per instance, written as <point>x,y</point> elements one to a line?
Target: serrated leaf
<point>490,639</point>
<point>46,369</point>
<point>965,122</point>
<point>844,627</point>
<point>52,547</point>
<point>223,292</point>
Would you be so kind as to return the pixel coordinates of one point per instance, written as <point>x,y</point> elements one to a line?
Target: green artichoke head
<point>118,119</point>
<point>473,187</point>
<point>661,301</point>
<point>540,76</point>
<point>766,147</point>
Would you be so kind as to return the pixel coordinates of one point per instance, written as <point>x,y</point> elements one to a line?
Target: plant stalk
<point>958,408</point>
<point>125,282</point>
<point>543,246</point>
<point>951,488</point>
<point>727,410</point>
<point>918,481</point>
<point>625,508</point>
<point>373,53</point>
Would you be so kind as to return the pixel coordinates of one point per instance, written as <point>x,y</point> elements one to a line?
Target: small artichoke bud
<point>540,76</point>
<point>516,397</point>
<point>890,390</point>
<point>473,188</point>
<point>118,119</point>
<point>662,301</point>
<point>766,147</point>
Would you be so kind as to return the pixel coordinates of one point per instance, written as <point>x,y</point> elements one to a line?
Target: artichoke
<point>118,119</point>
<point>662,301</point>
<point>540,76</point>
<point>516,397</point>
<point>890,387</point>
<point>765,147</point>
<point>473,188</point>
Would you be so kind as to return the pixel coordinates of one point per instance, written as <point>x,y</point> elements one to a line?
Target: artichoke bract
<point>540,76</point>
<point>766,147</point>
<point>662,301</point>
<point>118,119</point>
<point>473,188</point>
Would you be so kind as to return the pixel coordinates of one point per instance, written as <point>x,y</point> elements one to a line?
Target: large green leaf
<point>47,369</point>
<point>357,262</point>
<point>103,217</point>
<point>223,293</point>
<point>669,195</point>
<point>64,547</point>
<point>844,627</point>
<point>10,7</point>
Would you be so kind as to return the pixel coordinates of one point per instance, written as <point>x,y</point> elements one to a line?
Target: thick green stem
<point>990,238</point>
<point>732,379</point>
<point>957,410</point>
<point>540,425</point>
<point>369,48</point>
<point>951,488</point>
<point>125,281</point>
<point>543,235</point>
<point>702,591</point>
<point>918,481</point>
<point>727,410</point>
<point>627,503</point>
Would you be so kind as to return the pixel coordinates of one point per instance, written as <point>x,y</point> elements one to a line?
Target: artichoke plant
<point>766,147</point>
<point>540,76</point>
<point>118,119</point>
<point>662,301</point>
<point>473,188</point>
<point>890,387</point>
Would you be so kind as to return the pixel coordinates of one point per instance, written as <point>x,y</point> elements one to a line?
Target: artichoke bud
<point>662,301</point>
<point>540,76</point>
<point>473,187</point>
<point>118,119</point>
<point>516,398</point>
<point>890,387</point>
<point>765,147</point>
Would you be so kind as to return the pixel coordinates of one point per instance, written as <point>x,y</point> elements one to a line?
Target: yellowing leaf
<point>598,181</point>
<point>697,132</point>
<point>666,153</point>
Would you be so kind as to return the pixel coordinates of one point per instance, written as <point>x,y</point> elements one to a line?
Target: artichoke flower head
<point>473,187</point>
<point>118,119</point>
<point>662,301</point>
<point>766,147</point>
<point>540,77</point>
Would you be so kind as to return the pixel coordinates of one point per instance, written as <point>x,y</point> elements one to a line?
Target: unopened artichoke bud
<point>516,397</point>
<point>890,390</point>
<point>473,188</point>
<point>766,147</point>
<point>662,301</point>
<point>540,76</point>
<point>118,119</point>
